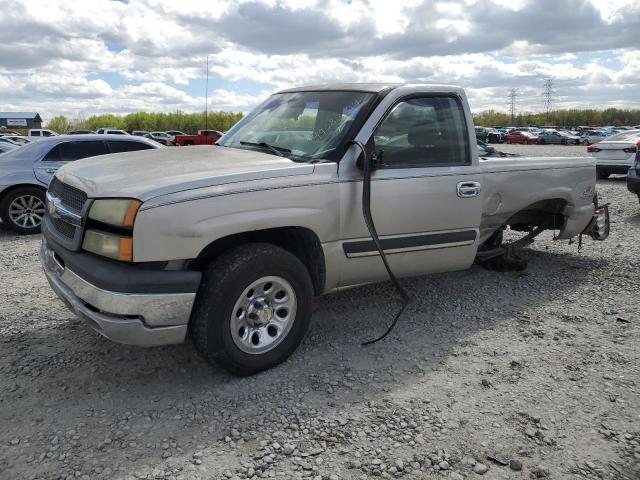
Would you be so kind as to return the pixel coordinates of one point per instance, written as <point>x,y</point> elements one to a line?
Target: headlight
<point>108,245</point>
<point>119,212</point>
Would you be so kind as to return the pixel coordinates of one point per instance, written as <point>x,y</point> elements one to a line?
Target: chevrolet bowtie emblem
<point>60,212</point>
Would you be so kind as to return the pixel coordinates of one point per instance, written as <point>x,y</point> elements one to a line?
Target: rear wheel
<point>542,141</point>
<point>253,308</point>
<point>22,210</point>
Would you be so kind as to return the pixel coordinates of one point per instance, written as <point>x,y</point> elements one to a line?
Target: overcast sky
<point>96,56</point>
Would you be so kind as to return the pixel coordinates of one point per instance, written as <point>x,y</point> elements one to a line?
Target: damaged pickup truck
<point>316,190</point>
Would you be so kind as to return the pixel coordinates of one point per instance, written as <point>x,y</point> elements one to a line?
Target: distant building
<point>20,120</point>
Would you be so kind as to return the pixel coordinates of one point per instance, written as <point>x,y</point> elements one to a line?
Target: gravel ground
<point>519,375</point>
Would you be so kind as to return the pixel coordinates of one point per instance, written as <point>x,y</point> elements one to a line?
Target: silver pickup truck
<point>230,243</point>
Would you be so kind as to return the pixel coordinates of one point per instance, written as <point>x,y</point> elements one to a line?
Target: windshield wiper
<point>280,151</point>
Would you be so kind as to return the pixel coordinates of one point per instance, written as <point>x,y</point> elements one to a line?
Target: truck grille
<point>73,200</point>
<point>64,229</point>
<point>71,197</point>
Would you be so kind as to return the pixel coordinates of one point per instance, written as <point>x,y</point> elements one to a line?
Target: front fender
<point>182,230</point>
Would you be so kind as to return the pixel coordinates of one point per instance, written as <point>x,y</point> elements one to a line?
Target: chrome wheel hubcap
<point>263,315</point>
<point>26,211</point>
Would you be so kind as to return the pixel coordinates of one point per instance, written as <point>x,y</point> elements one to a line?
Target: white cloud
<point>101,56</point>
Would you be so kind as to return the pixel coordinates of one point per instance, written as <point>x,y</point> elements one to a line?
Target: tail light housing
<point>630,149</point>
<point>593,149</point>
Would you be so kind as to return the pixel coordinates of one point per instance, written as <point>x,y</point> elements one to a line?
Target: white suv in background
<point>36,134</point>
<point>111,131</point>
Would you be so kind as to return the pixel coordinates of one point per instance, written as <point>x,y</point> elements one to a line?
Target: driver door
<point>425,200</point>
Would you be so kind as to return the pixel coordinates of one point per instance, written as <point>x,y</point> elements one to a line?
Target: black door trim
<point>359,248</point>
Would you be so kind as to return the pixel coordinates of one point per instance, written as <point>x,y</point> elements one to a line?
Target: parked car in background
<point>81,132</point>
<point>17,139</point>
<point>36,134</point>
<point>9,141</point>
<point>535,131</point>
<point>6,147</point>
<point>556,137</point>
<point>175,133</point>
<point>204,137</point>
<point>523,137</point>
<point>482,133</point>
<point>111,131</point>
<point>616,154</point>
<point>589,137</point>
<point>494,136</point>
<point>25,172</point>
<point>139,133</point>
<point>161,137</point>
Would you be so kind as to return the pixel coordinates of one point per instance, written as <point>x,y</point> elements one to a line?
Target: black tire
<point>585,143</point>
<point>223,284</point>
<point>8,220</point>
<point>603,174</point>
<point>542,141</point>
<point>563,142</point>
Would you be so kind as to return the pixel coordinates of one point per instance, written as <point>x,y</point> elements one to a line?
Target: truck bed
<point>512,184</point>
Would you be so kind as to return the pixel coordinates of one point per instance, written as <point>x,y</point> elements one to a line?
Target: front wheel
<point>252,309</point>
<point>22,210</point>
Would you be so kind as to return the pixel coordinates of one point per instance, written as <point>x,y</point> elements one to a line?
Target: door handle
<point>50,170</point>
<point>468,189</point>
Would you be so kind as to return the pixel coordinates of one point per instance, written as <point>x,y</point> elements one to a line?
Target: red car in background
<point>204,137</point>
<point>516,136</point>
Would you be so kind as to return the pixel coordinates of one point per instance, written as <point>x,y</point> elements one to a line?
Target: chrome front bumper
<point>134,319</point>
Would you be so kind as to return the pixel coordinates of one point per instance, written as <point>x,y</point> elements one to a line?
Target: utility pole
<point>206,99</point>
<point>513,94</point>
<point>548,96</point>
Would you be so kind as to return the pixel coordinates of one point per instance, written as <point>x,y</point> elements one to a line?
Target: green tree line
<point>570,117</point>
<point>150,121</point>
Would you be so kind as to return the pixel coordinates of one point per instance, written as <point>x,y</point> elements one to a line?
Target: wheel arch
<point>547,213</point>
<point>11,188</point>
<point>300,241</point>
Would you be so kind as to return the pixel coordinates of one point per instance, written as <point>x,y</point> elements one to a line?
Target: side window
<point>53,155</point>
<point>70,151</point>
<point>423,132</point>
<point>118,147</point>
<point>35,134</point>
<point>46,133</point>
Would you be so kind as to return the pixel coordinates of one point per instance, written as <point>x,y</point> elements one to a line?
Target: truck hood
<point>150,173</point>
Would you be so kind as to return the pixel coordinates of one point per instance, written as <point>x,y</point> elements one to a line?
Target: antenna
<point>206,99</point>
<point>513,93</point>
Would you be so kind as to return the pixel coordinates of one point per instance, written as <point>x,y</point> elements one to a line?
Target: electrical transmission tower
<point>548,95</point>
<point>513,94</point>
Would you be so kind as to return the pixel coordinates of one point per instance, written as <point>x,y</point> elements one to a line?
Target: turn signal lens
<point>120,212</point>
<point>108,245</point>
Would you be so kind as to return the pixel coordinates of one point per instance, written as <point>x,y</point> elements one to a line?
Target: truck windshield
<point>303,126</point>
